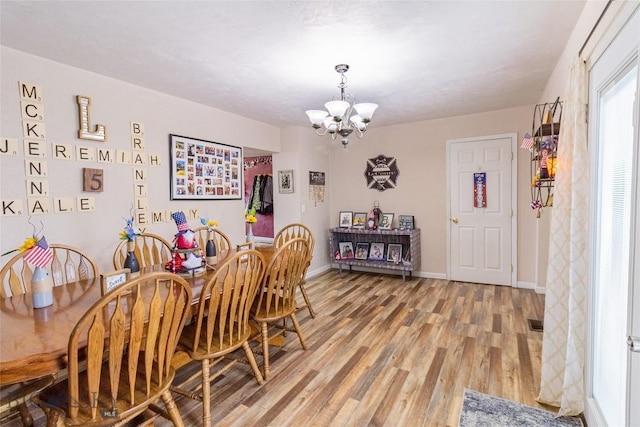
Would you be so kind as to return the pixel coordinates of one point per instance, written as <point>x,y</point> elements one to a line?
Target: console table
<point>409,239</point>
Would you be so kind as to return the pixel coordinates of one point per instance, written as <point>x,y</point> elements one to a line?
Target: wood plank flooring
<point>386,353</point>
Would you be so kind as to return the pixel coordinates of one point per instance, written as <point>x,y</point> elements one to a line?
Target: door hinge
<point>512,268</point>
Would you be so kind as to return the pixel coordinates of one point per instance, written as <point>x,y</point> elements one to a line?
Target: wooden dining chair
<point>68,265</point>
<point>222,324</point>
<point>292,231</point>
<point>128,338</point>
<point>150,249</point>
<point>221,240</point>
<point>277,297</point>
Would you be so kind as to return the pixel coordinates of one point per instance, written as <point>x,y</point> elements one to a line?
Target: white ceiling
<point>272,60</point>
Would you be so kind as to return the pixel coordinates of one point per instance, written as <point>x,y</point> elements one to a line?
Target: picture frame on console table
<point>359,219</point>
<point>345,219</point>
<point>362,250</point>
<point>204,170</point>
<point>346,250</point>
<point>406,222</point>
<point>376,252</point>
<point>394,253</point>
<point>385,223</point>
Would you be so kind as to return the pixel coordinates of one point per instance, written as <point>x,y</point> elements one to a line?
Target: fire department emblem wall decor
<point>382,172</point>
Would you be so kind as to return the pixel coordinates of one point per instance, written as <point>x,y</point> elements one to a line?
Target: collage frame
<point>204,170</point>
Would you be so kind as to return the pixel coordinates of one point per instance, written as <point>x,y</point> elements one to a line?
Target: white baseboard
<point>425,274</point>
<point>318,271</point>
<point>525,285</point>
<point>592,414</point>
<point>430,275</point>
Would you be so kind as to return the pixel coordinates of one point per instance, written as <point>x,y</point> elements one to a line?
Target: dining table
<point>33,342</point>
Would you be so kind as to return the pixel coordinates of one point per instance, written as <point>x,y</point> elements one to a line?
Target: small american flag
<point>40,255</point>
<point>181,221</point>
<point>527,142</point>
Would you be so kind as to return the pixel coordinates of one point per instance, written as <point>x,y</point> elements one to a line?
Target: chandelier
<point>339,121</point>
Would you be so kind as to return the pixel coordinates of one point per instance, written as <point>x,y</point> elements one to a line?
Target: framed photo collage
<point>204,170</point>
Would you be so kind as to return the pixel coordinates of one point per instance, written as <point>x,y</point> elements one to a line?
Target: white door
<point>480,172</point>
<point>613,369</point>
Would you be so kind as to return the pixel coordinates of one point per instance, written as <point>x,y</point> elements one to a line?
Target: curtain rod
<point>594,27</point>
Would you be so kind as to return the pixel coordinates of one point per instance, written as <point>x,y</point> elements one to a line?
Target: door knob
<point>634,343</point>
<point>454,220</point>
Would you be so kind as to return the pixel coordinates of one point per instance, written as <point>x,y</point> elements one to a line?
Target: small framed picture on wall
<point>285,181</point>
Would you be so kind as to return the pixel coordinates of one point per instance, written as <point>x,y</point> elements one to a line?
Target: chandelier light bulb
<point>337,109</point>
<point>358,123</point>
<point>316,117</point>
<point>330,125</point>
<point>365,110</point>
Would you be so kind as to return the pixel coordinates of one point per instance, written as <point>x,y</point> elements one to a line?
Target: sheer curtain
<point>562,378</point>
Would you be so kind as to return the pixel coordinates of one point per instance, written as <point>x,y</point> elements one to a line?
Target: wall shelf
<point>544,130</point>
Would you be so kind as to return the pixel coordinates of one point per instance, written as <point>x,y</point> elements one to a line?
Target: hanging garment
<point>254,199</point>
<point>266,195</point>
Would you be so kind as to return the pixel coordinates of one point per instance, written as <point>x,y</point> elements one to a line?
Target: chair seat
<point>270,314</point>
<point>218,349</point>
<point>56,397</point>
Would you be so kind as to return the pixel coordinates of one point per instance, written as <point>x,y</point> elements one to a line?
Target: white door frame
<point>621,25</point>
<point>514,198</point>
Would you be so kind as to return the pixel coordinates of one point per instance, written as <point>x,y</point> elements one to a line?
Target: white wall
<point>419,148</point>
<point>115,104</point>
<point>303,151</point>
<point>420,152</point>
<point>555,88</point>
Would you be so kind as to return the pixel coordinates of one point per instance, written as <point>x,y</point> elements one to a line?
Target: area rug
<point>479,410</point>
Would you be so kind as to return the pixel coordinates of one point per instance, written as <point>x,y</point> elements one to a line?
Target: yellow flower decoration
<point>28,244</point>
<point>250,216</point>
<point>209,223</point>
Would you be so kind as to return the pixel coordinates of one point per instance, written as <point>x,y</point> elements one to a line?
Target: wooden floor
<point>386,353</point>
